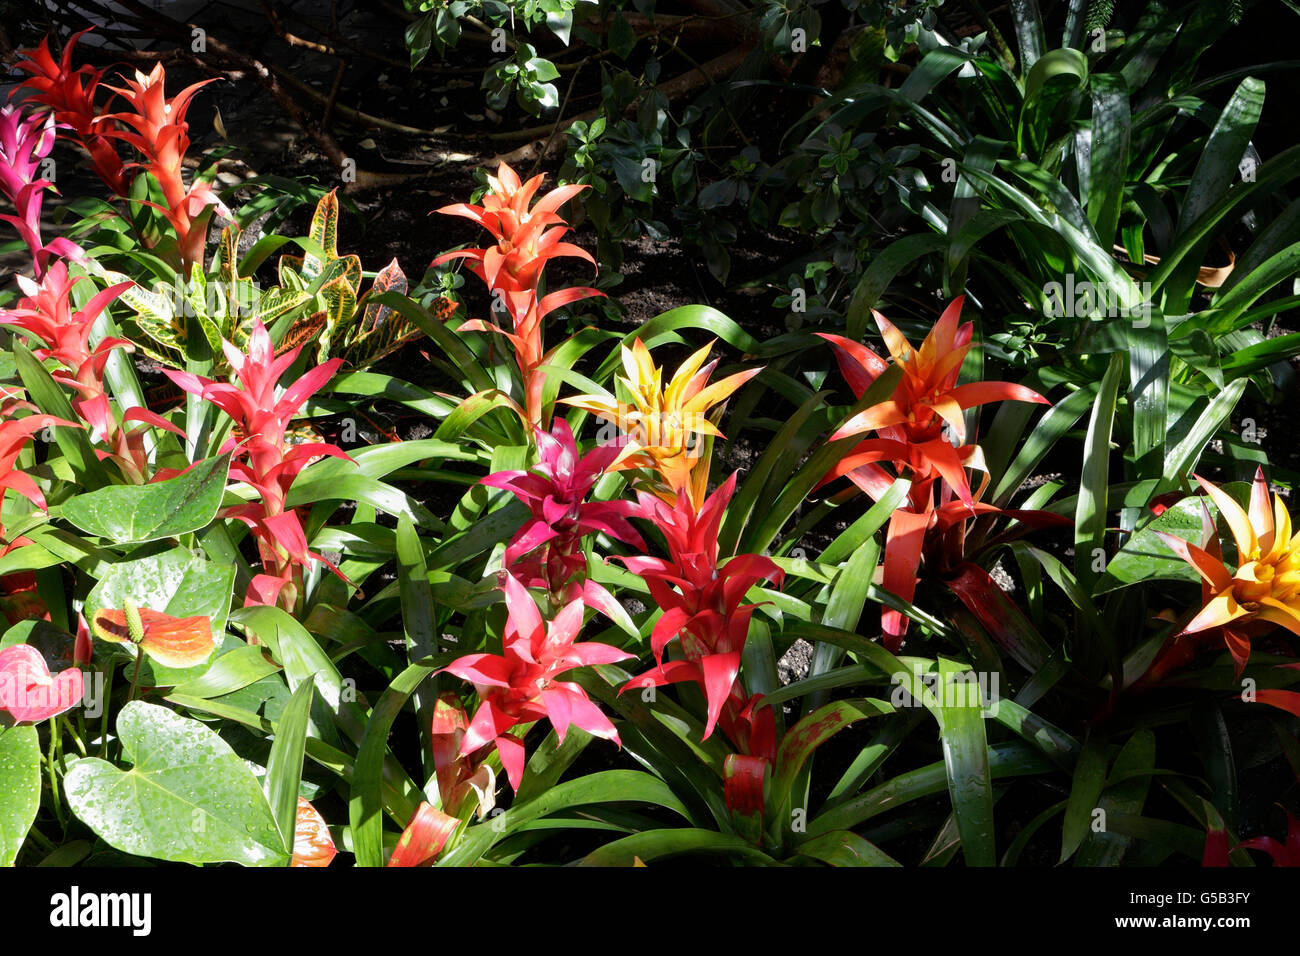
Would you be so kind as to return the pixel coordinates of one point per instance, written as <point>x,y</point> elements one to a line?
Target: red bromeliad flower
<point>266,461</point>
<point>24,142</point>
<point>46,313</point>
<point>520,685</point>
<point>69,95</point>
<point>910,425</point>
<point>524,243</point>
<point>920,433</point>
<point>424,837</point>
<point>158,130</point>
<point>547,551</point>
<point>27,690</point>
<point>702,605</point>
<point>19,599</point>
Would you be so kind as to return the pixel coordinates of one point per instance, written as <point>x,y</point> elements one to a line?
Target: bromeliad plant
<point>581,587</point>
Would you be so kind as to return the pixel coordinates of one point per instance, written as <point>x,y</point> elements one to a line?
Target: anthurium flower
<point>547,551</point>
<point>702,604</point>
<point>171,641</point>
<point>1264,590</point>
<point>665,425</point>
<point>27,690</point>
<point>312,843</point>
<point>69,95</point>
<point>521,686</point>
<point>424,837</point>
<point>524,243</point>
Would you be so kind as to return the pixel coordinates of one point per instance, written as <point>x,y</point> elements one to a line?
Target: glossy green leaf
<point>132,514</point>
<point>20,788</point>
<point>188,796</point>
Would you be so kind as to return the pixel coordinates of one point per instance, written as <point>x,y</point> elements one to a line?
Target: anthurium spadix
<point>521,685</point>
<point>1264,590</point>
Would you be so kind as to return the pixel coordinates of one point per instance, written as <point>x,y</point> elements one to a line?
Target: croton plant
<point>246,621</point>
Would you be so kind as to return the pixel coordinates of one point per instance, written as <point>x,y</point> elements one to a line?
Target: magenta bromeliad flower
<point>262,411</point>
<point>702,606</point>
<point>547,551</point>
<point>24,142</point>
<point>520,685</point>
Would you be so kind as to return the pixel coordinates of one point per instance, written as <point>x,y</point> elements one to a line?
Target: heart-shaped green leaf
<point>188,797</point>
<point>20,788</point>
<point>176,582</point>
<point>131,514</point>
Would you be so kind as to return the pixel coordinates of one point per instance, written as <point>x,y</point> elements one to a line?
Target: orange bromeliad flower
<point>920,432</point>
<point>1264,591</point>
<point>524,241</point>
<point>928,398</point>
<point>664,426</point>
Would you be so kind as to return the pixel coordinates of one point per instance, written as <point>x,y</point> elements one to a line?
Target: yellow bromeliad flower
<point>1264,591</point>
<point>665,428</point>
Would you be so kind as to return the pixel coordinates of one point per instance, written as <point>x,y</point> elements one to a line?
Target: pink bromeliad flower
<point>520,685</point>
<point>46,313</point>
<point>262,411</point>
<point>547,551</point>
<point>24,142</point>
<point>702,606</point>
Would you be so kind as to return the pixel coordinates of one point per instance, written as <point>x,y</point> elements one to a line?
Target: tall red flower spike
<point>156,126</point>
<point>69,95</point>
<point>526,239</point>
<point>702,606</point>
<point>266,461</point>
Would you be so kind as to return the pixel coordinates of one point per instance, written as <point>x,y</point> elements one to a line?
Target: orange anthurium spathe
<point>171,641</point>
<point>664,427</point>
<point>1264,590</point>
